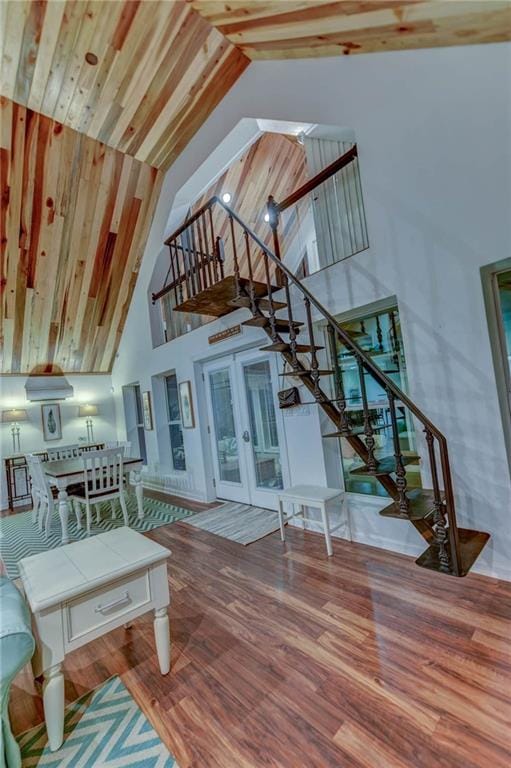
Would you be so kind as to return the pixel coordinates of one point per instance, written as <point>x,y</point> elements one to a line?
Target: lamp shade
<point>15,414</point>
<point>87,410</point>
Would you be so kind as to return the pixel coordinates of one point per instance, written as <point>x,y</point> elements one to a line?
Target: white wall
<point>433,129</point>
<point>87,389</point>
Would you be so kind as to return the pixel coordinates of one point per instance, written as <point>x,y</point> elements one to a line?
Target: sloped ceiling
<point>285,29</point>
<point>139,76</point>
<point>74,219</point>
<point>274,164</point>
<point>100,97</point>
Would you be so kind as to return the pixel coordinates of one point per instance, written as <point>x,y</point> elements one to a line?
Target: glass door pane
<point>226,443</point>
<point>263,424</point>
<point>504,289</point>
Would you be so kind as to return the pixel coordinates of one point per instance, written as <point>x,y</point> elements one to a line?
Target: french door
<point>245,427</point>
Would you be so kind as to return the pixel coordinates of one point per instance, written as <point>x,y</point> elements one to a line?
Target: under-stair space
<point>214,276</point>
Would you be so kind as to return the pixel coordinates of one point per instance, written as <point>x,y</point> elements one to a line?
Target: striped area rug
<point>237,522</point>
<point>105,728</point>
<point>19,537</point>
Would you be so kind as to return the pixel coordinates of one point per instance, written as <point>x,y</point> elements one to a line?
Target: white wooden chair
<point>44,503</point>
<point>63,452</point>
<point>104,481</point>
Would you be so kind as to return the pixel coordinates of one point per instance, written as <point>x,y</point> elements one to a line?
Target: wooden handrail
<point>320,178</point>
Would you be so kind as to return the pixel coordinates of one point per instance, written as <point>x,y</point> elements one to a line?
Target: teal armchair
<point>16,649</point>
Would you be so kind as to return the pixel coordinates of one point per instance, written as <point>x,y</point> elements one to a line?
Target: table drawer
<point>108,603</point>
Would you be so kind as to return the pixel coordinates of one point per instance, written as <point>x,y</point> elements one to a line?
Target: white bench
<point>309,496</point>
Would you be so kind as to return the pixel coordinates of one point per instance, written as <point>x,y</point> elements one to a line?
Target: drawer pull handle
<point>108,607</point>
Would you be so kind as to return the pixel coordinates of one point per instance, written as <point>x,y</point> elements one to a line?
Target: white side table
<point>83,590</point>
<point>309,496</point>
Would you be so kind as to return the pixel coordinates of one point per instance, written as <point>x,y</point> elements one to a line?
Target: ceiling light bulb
<point>266,216</point>
<point>226,197</point>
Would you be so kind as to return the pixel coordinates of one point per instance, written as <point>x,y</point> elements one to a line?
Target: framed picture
<point>147,410</point>
<point>52,425</point>
<point>185,399</point>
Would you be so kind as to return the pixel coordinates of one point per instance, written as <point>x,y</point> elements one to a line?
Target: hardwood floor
<point>283,658</point>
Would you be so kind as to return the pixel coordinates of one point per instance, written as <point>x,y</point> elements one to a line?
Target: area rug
<point>237,522</point>
<point>102,728</point>
<point>19,537</point>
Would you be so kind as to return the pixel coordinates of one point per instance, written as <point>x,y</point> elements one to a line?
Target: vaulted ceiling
<point>289,29</point>
<point>99,97</point>
<point>75,215</point>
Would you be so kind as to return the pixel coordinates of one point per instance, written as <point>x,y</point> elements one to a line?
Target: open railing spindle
<point>403,501</point>
<point>368,429</point>
<point>438,515</point>
<point>235,257</point>
<point>207,249</point>
<point>251,288</point>
<point>271,308</point>
<point>202,254</point>
<point>175,271</point>
<point>195,258</point>
<point>318,394</point>
<point>344,426</point>
<point>214,243</point>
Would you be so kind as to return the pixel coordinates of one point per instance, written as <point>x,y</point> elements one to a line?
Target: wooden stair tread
<point>281,324</point>
<point>262,303</point>
<point>421,506</point>
<point>282,346</point>
<point>357,430</point>
<point>303,374</point>
<point>471,545</point>
<point>216,299</point>
<point>385,466</point>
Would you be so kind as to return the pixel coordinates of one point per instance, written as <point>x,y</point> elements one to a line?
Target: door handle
<point>246,436</point>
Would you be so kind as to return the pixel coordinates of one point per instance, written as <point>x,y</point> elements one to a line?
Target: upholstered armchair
<point>16,649</point>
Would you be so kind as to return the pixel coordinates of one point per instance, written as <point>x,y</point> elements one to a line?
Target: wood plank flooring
<point>284,658</point>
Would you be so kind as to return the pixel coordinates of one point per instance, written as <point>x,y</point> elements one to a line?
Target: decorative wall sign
<point>234,330</point>
<point>52,425</point>
<point>147,411</point>
<point>185,400</point>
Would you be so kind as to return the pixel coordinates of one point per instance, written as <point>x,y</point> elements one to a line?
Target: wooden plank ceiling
<point>97,95</point>
<point>139,76</point>
<point>282,29</point>
<point>275,164</point>
<point>75,215</point>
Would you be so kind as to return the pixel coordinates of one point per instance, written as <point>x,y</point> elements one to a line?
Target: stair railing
<point>197,261</point>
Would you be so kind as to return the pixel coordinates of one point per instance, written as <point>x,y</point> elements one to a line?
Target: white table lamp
<point>88,411</point>
<point>14,416</point>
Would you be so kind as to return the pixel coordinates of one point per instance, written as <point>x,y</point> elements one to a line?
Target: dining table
<point>63,473</point>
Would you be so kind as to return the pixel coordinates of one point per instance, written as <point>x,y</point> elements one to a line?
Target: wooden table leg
<point>162,639</point>
<point>63,510</point>
<point>139,493</point>
<point>53,702</point>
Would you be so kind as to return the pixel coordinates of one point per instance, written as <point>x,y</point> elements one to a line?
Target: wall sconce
<point>88,411</point>
<point>14,416</point>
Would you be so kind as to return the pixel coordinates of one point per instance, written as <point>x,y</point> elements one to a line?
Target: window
<point>379,335</point>
<point>175,429</point>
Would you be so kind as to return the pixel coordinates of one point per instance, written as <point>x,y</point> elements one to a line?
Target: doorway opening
<point>245,428</point>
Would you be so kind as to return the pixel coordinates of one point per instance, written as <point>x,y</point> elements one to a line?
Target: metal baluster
<point>271,316</point>
<point>202,255</point>
<point>379,334</point>
<point>438,514</point>
<point>220,255</point>
<point>281,276</point>
<point>235,258</point>
<point>251,288</point>
<point>368,430</point>
<point>318,394</point>
<point>401,484</point>
<point>208,252</point>
<point>214,245</point>
<point>344,425</point>
<point>196,260</point>
<point>174,276</point>
<point>395,340</point>
<point>188,273</point>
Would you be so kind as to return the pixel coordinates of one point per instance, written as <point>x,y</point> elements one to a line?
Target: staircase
<point>218,265</point>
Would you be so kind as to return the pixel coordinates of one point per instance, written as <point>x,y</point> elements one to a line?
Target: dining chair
<point>103,481</point>
<point>44,502</point>
<point>63,452</point>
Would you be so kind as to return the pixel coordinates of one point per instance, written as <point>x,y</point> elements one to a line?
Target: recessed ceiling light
<point>91,58</point>
<point>226,197</point>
